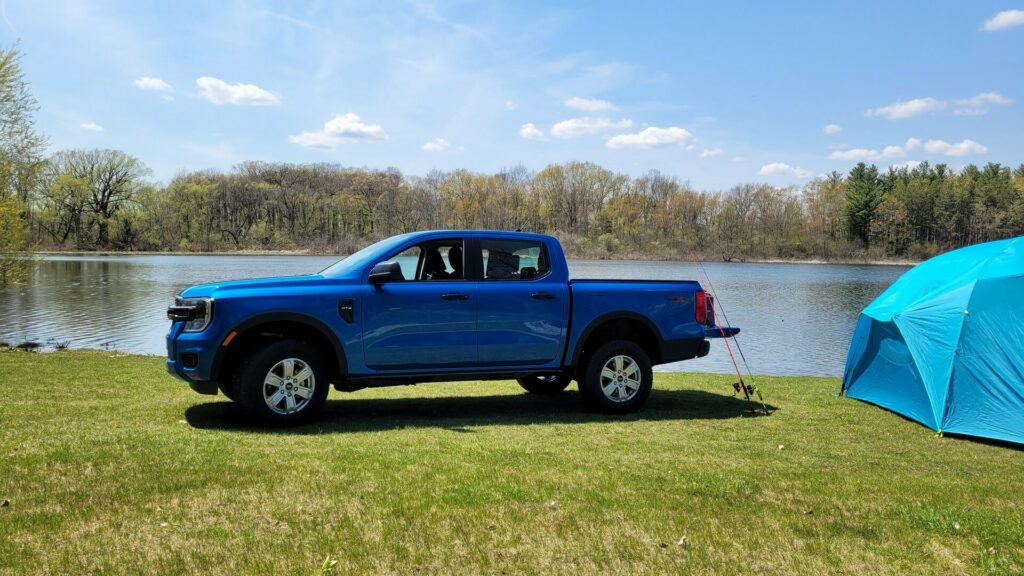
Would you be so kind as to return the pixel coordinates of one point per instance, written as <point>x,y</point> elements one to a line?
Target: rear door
<point>522,308</point>
<point>427,320</point>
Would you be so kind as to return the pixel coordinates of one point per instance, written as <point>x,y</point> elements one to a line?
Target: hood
<point>229,286</point>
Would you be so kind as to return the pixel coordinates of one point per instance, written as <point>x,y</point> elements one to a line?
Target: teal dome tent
<point>944,345</point>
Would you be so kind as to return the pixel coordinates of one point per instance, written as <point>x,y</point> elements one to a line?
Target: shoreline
<point>623,257</point>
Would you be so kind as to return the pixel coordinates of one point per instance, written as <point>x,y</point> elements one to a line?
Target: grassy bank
<point>110,466</point>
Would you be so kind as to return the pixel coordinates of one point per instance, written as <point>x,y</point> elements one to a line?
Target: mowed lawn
<point>110,466</point>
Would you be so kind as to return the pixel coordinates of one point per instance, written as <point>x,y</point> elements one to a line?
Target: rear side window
<point>514,259</point>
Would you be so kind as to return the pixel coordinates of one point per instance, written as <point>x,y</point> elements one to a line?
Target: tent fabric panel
<point>933,277</point>
<point>986,392</point>
<point>931,330</point>
<point>858,346</point>
<point>1009,262</point>
<point>887,375</point>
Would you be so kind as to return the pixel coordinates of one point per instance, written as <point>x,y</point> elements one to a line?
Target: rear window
<point>513,259</point>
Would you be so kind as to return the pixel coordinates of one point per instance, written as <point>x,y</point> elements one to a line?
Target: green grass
<point>111,466</point>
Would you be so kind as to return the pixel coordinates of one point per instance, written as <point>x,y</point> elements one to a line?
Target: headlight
<point>195,312</point>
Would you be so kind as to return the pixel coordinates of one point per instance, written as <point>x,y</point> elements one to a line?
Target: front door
<point>427,320</point>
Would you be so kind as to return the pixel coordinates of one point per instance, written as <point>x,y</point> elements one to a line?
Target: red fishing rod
<point>747,389</point>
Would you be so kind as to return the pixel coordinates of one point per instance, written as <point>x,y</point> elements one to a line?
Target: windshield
<point>357,260</point>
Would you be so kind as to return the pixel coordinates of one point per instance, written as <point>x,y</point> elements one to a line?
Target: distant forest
<point>100,199</point>
<point>105,200</point>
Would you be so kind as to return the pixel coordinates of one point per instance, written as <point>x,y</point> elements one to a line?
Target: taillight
<point>709,315</point>
<point>700,306</point>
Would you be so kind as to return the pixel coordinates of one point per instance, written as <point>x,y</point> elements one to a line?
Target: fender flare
<point>609,316</point>
<point>309,321</point>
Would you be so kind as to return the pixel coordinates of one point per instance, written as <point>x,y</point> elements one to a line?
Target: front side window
<point>434,260</point>
<point>513,259</point>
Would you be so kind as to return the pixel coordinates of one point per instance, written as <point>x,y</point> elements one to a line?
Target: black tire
<point>253,391</point>
<point>229,388</point>
<point>545,385</point>
<point>632,398</point>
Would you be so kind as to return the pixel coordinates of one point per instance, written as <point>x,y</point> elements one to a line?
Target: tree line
<point>106,200</point>
<point>101,199</point>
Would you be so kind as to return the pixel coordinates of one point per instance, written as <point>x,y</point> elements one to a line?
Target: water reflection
<point>796,318</point>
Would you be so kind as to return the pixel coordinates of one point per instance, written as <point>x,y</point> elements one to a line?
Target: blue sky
<point>713,93</point>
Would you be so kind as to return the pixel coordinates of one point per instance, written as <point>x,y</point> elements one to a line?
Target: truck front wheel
<point>617,378</point>
<point>545,385</point>
<point>282,383</point>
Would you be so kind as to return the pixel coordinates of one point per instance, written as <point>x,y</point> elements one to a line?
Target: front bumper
<point>191,355</point>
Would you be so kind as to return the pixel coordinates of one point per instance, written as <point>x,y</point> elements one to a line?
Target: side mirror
<point>386,272</point>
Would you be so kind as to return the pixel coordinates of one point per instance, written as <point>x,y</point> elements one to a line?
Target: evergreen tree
<point>863,194</point>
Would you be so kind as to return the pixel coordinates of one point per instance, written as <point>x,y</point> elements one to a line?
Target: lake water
<point>796,319</point>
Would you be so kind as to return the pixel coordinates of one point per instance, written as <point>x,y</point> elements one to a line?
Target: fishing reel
<point>742,387</point>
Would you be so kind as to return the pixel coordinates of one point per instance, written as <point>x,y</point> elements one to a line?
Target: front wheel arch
<point>258,330</point>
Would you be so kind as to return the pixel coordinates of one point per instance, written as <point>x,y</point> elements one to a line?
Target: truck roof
<point>469,232</point>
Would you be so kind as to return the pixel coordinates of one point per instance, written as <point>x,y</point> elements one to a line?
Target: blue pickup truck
<point>435,306</point>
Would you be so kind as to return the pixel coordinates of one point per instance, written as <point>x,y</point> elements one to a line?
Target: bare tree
<point>110,179</point>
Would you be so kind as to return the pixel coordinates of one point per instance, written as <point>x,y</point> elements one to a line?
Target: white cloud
<point>340,129</point>
<point>909,165</point>
<point>855,154</point>
<point>511,105</point>
<point>590,104</point>
<point>710,152</point>
<point>892,151</point>
<point>531,132</point>
<point>973,106</point>
<point>652,137</point>
<point>150,83</point>
<point>935,147</point>
<point>436,145</point>
<point>963,148</point>
<point>1003,20</point>
<point>586,126</point>
<point>978,104</point>
<point>783,169</point>
<point>220,92</point>
<point>899,110</point>
<point>738,158</point>
<point>832,129</point>
<point>91,126</point>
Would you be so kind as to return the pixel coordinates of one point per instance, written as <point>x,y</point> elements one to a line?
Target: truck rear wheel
<point>617,378</point>
<point>282,383</point>
<point>545,385</point>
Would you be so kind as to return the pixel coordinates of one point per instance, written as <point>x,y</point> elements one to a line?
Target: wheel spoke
<point>618,363</point>
<point>303,392</point>
<point>289,368</point>
<point>632,383</point>
<point>276,398</point>
<point>609,389</point>
<point>608,373</point>
<point>289,403</point>
<point>273,380</point>
<point>632,369</point>
<point>303,374</point>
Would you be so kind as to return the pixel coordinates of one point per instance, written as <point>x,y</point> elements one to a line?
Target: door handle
<point>455,296</point>
<point>542,296</point>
